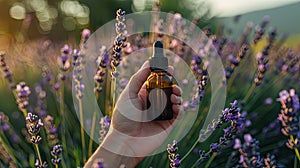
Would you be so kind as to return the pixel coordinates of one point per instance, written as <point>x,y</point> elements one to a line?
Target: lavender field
<point>48,120</point>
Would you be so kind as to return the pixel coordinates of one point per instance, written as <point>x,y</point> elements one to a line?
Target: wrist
<point>113,152</point>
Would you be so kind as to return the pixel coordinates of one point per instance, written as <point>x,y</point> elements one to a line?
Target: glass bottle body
<point>159,90</point>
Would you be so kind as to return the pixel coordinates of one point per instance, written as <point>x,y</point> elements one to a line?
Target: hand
<point>130,138</point>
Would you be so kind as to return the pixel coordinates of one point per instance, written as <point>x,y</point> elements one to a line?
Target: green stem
<point>38,153</point>
<point>194,165</point>
<point>210,160</point>
<point>8,150</point>
<point>113,94</point>
<point>56,165</point>
<point>296,149</point>
<point>82,130</point>
<point>63,122</point>
<point>92,134</point>
<point>191,149</point>
<point>249,93</point>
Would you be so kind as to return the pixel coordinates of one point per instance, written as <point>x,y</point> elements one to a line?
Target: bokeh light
<point>38,5</point>
<point>69,23</point>
<point>17,11</point>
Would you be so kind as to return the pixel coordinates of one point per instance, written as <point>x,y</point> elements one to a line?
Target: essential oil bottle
<point>159,86</point>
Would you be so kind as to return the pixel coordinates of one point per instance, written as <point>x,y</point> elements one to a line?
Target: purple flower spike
<point>173,155</point>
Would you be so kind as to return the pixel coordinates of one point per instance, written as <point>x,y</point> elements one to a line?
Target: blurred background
<point>47,25</point>
<point>62,20</point>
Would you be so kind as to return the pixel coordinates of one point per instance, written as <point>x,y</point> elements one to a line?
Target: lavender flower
<point>22,95</point>
<point>235,61</point>
<point>46,74</point>
<point>259,32</point>
<point>102,62</point>
<point>270,161</point>
<point>201,76</point>
<point>40,165</point>
<point>56,152</point>
<point>260,29</point>
<point>203,156</point>
<point>98,163</point>
<point>64,58</point>
<point>85,34</point>
<point>6,70</point>
<point>236,120</point>
<point>246,32</point>
<point>63,62</point>
<point>78,60</point>
<point>105,124</point>
<point>120,41</point>
<point>34,125</point>
<point>173,155</point>
<point>250,156</point>
<point>231,115</point>
<point>287,61</point>
<point>4,126</point>
<point>289,117</point>
<point>41,101</point>
<point>51,130</point>
<point>262,60</point>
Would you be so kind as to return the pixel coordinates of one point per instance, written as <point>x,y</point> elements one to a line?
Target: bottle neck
<point>157,70</point>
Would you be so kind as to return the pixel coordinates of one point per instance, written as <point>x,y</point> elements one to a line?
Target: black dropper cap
<point>158,61</point>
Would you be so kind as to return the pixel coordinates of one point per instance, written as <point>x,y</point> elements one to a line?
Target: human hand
<point>130,135</point>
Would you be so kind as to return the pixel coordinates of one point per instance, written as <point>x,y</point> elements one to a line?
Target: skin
<point>123,132</point>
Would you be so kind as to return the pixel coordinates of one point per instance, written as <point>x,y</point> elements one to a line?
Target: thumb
<point>138,79</point>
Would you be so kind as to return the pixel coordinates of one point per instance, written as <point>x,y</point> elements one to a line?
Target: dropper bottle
<point>159,85</point>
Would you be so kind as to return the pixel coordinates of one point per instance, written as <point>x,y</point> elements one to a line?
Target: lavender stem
<point>38,153</point>
<point>92,134</point>
<point>82,130</point>
<point>210,160</point>
<point>191,149</point>
<point>296,149</point>
<point>250,92</point>
<point>62,112</point>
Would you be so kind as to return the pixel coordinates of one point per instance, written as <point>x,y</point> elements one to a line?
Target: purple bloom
<point>214,147</point>
<point>51,130</point>
<point>102,62</point>
<point>4,126</point>
<point>173,155</point>
<point>100,165</point>
<point>23,92</point>
<point>248,138</point>
<point>289,117</point>
<point>40,165</point>
<point>63,62</point>
<point>237,143</point>
<point>268,101</point>
<point>104,124</point>
<point>5,69</point>
<point>56,152</point>
<point>249,154</point>
<point>120,41</point>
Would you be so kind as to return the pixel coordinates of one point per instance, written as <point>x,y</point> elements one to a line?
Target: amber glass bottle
<point>159,86</point>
